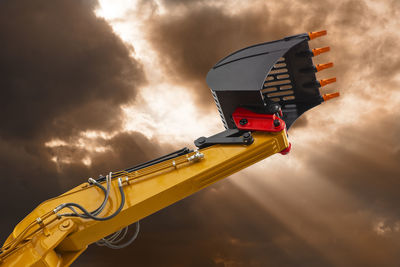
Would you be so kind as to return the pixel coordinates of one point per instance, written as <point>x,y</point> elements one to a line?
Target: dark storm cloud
<point>62,69</point>
<point>365,161</point>
<point>353,218</point>
<point>22,169</point>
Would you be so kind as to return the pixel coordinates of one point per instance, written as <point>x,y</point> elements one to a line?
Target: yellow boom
<point>45,238</point>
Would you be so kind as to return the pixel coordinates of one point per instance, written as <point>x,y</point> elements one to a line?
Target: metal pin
<point>195,157</point>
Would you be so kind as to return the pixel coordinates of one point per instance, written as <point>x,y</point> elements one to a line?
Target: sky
<point>93,86</point>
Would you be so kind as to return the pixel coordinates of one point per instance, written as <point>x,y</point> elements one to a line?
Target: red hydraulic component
<point>286,150</point>
<point>251,121</point>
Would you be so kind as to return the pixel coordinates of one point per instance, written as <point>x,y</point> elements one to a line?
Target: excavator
<point>259,91</point>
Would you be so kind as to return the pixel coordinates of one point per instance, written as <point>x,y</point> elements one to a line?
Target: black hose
<point>88,215</point>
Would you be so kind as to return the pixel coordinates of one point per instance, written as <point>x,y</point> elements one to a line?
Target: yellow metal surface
<point>58,241</point>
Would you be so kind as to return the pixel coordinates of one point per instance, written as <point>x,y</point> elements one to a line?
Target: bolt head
<point>277,123</point>
<point>66,223</point>
<point>201,140</point>
<point>243,122</point>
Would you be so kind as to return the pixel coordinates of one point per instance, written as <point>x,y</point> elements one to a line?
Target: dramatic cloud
<point>63,70</point>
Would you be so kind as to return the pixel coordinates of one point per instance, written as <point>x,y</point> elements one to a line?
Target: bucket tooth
<point>318,51</point>
<point>313,35</point>
<point>327,81</point>
<point>320,67</point>
<point>317,68</point>
<point>327,97</point>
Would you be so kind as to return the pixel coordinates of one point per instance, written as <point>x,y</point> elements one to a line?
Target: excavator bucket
<point>277,75</point>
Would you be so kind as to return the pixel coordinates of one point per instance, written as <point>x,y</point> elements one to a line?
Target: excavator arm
<point>61,228</point>
<point>60,239</point>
